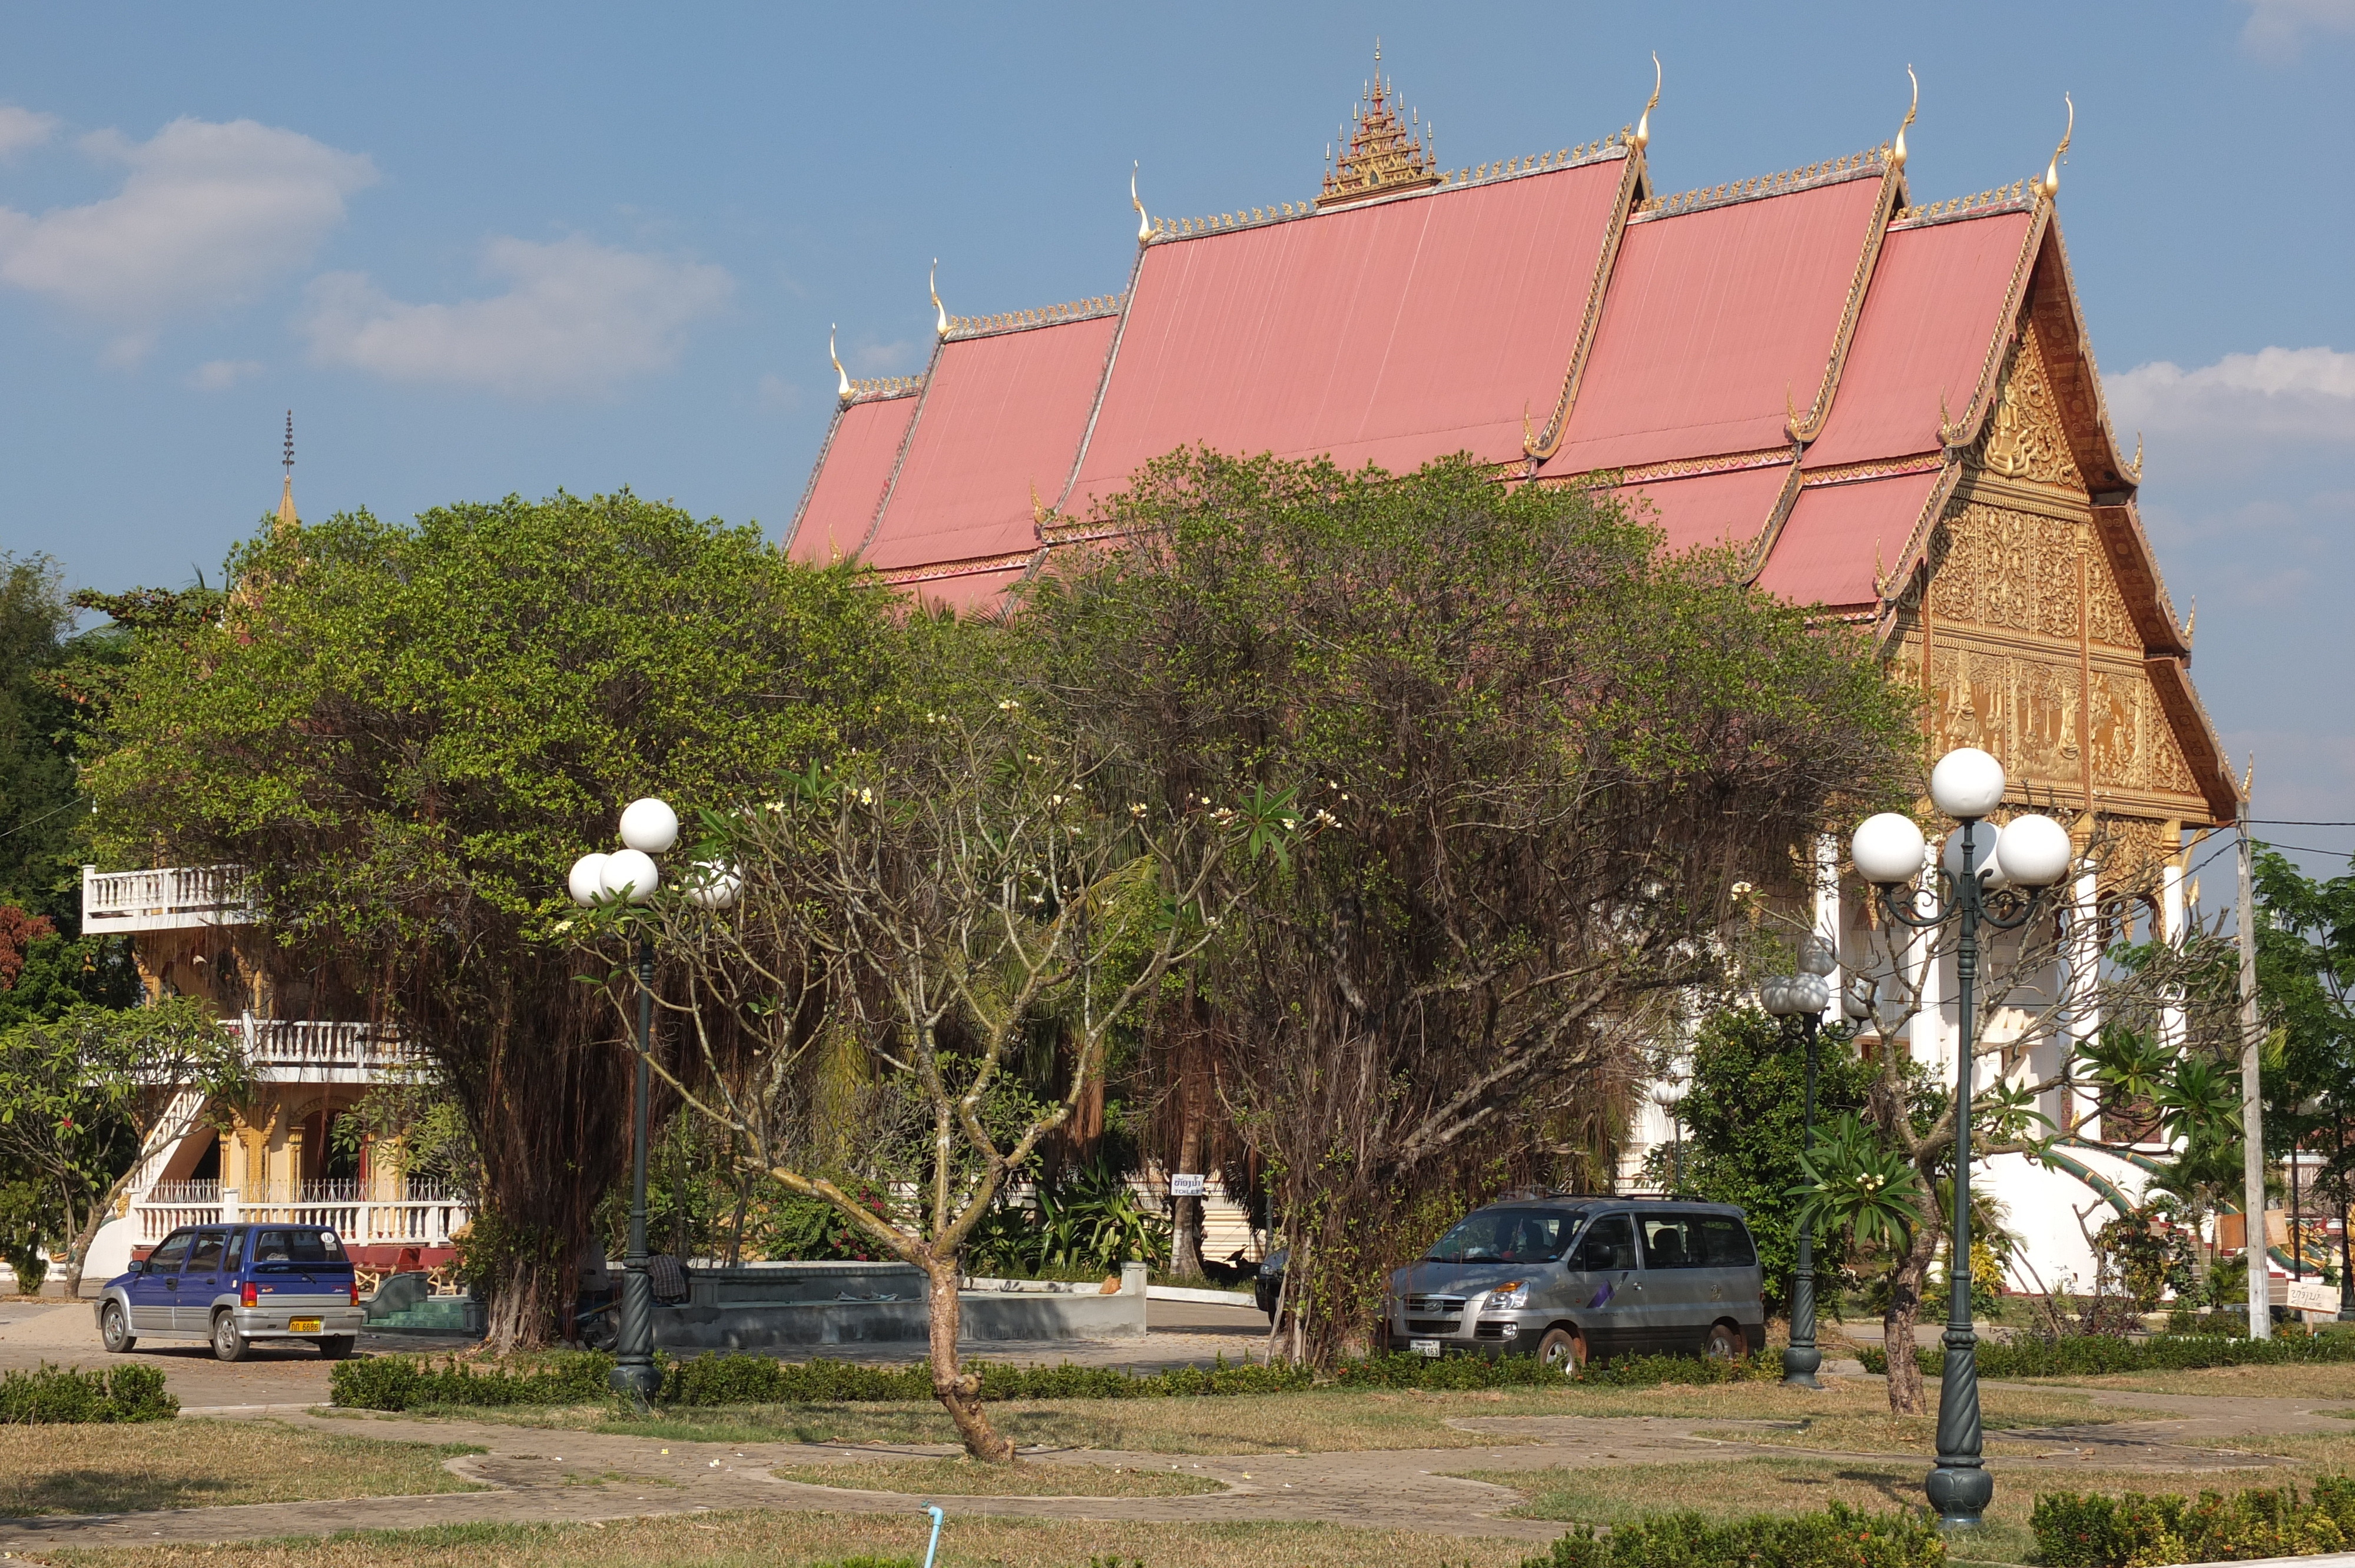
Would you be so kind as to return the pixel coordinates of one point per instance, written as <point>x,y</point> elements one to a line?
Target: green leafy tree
<point>1537,749</point>
<point>82,1093</point>
<point>2306,984</point>
<point>40,730</point>
<point>408,733</point>
<point>1743,1119</point>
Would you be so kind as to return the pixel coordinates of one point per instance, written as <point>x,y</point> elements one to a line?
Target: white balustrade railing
<point>423,1214</point>
<point>166,899</point>
<point>294,1046</point>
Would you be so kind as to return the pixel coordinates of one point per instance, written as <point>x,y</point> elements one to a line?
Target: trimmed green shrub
<point>1839,1537</point>
<point>2091,1355</point>
<point>402,1383</point>
<point>2082,1530</point>
<point>52,1394</point>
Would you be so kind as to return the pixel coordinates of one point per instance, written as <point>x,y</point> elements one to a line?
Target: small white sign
<point>1187,1184</point>
<point>2310,1296</point>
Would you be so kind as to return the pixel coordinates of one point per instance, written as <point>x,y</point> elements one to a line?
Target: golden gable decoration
<point>1381,156</point>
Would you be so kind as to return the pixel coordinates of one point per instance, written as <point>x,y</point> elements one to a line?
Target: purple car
<point>236,1285</point>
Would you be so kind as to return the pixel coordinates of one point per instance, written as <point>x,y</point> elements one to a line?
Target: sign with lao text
<point>1187,1184</point>
<point>2310,1296</point>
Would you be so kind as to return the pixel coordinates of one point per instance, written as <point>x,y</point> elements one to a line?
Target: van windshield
<point>1505,1236</point>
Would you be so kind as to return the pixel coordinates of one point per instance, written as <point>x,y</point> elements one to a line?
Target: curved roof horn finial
<point>1897,153</point>
<point>841,376</point>
<point>939,310</point>
<point>1644,125</point>
<point>2050,183</point>
<point>1143,224</point>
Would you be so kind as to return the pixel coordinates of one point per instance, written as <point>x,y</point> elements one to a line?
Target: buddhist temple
<point>1890,406</point>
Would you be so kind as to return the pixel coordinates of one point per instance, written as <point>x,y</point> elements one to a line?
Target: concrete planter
<point>781,1306</point>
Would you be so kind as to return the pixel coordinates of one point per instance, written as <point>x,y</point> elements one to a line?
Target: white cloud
<point>579,317</point>
<point>206,213</point>
<point>2277,28</point>
<point>2301,394</point>
<point>23,128</point>
<point>899,357</point>
<point>220,375</point>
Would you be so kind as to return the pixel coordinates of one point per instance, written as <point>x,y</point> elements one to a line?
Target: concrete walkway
<point>526,1467</point>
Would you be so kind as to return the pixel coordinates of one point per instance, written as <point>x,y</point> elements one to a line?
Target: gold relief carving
<point>2131,850</point>
<point>2031,712</point>
<point>2016,571</point>
<point>2024,437</point>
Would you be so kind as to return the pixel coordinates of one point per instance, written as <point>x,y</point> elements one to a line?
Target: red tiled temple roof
<point>853,471</point>
<point>1838,535</point>
<point>995,432</point>
<point>1719,324</point>
<point>1710,509</point>
<point>1392,333</point>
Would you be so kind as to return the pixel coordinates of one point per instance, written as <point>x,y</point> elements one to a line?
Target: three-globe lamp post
<point>2031,853</point>
<point>1802,996</point>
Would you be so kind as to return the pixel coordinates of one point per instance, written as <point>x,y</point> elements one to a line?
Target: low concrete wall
<point>778,1306</point>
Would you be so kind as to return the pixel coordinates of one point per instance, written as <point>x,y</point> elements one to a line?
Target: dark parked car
<point>235,1284</point>
<point>1566,1278</point>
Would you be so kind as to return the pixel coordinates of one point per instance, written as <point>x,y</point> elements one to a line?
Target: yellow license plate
<point>302,1325</point>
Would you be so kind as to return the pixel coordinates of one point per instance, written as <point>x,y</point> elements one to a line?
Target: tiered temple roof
<point>1800,366</point>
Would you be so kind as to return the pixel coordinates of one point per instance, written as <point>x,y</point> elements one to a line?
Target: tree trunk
<point>1185,1237</point>
<point>523,1306</point>
<point>958,1391</point>
<point>1905,1393</point>
<point>77,1253</point>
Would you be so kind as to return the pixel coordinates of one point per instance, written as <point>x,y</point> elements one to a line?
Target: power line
<point>2292,822</point>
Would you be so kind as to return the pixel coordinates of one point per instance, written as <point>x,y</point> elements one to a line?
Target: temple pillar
<point>1929,1026</point>
<point>1827,919</point>
<point>2081,1106</point>
<point>2170,930</point>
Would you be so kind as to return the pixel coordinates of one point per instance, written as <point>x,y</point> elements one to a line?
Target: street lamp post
<point>629,875</point>
<point>1804,996</point>
<point>2031,853</point>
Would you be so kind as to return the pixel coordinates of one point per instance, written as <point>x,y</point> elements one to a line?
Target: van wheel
<point>1725,1342</point>
<point>115,1330</point>
<point>229,1345</point>
<point>1562,1350</point>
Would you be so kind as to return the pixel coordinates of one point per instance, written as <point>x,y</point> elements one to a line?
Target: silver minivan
<point>1567,1279</point>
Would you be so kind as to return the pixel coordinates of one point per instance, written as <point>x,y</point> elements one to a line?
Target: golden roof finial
<point>841,376</point>
<point>1143,224</point>
<point>2193,621</point>
<point>939,310</point>
<point>1642,137</point>
<point>2051,186</point>
<point>1897,153</point>
<point>286,493</point>
<point>1377,155</point>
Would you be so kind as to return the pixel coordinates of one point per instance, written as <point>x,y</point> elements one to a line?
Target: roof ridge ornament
<point>1897,153</point>
<point>1643,137</point>
<point>1380,155</point>
<point>841,376</point>
<point>939,310</point>
<point>1143,224</point>
<point>2050,183</point>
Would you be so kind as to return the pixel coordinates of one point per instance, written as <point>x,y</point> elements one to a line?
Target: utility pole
<point>2253,1114</point>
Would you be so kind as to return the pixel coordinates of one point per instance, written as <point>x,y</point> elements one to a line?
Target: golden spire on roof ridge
<point>1143,224</point>
<point>1643,137</point>
<point>286,517</point>
<point>1379,156</point>
<point>1897,153</point>
<point>939,310</point>
<point>2051,185</point>
<point>841,376</point>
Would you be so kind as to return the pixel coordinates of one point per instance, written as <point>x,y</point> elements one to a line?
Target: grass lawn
<point>2319,1381</point>
<point>199,1463</point>
<point>1728,1489</point>
<point>766,1540</point>
<point>1324,1421</point>
<point>1032,1478</point>
<point>1851,1429</point>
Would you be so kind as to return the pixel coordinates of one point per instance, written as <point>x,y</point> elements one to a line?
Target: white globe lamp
<point>711,885</point>
<point>1887,850</point>
<point>2034,851</point>
<point>587,881</point>
<point>630,875</point>
<point>1984,838</point>
<point>1966,784</point>
<point>649,826</point>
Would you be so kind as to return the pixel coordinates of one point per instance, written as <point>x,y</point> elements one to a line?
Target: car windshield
<point>1504,1236</point>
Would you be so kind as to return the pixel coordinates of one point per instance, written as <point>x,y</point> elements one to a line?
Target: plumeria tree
<point>851,981</point>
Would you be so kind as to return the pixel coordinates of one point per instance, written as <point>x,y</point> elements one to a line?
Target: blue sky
<point>481,249</point>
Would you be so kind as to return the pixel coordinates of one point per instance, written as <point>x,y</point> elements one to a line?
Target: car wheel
<point>115,1329</point>
<point>1725,1342</point>
<point>1563,1349</point>
<point>229,1345</point>
<point>338,1346</point>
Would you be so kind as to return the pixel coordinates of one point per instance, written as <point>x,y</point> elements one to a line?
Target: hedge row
<point>2075,1530</point>
<point>2091,1355</point>
<point>51,1393</point>
<point>1839,1537</point>
<point>579,1377</point>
